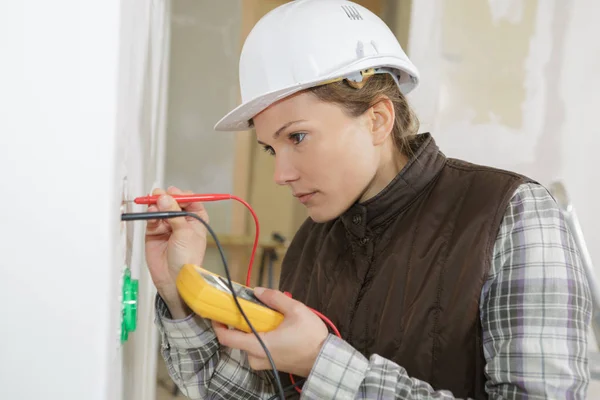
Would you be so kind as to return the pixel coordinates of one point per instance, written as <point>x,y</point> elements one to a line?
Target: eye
<point>269,150</point>
<point>297,137</point>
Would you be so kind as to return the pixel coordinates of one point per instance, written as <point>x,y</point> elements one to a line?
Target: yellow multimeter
<point>209,296</point>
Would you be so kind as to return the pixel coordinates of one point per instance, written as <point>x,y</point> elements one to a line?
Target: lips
<point>304,197</point>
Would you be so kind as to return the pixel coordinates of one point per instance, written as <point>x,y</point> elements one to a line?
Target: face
<point>327,158</point>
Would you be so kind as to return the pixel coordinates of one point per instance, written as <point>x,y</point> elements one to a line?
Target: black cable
<point>300,382</point>
<point>174,214</point>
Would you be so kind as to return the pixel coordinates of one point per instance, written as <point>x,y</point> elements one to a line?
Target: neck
<point>390,165</point>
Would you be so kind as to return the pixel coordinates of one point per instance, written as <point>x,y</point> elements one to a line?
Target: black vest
<point>401,274</point>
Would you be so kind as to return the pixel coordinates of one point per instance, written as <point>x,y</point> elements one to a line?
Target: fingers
<point>277,300</point>
<point>239,340</point>
<point>172,190</point>
<point>235,339</point>
<point>217,325</point>
<point>195,207</point>
<point>153,224</point>
<point>167,203</point>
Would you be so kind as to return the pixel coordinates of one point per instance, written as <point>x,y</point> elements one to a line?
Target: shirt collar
<point>421,169</point>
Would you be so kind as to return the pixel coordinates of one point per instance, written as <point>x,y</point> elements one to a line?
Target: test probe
<point>210,295</point>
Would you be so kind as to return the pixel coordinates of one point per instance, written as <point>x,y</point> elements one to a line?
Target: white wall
<point>143,94</point>
<point>515,84</point>
<point>79,103</point>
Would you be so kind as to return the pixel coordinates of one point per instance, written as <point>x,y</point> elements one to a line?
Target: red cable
<point>196,197</point>
<point>324,318</point>
<point>331,325</point>
<point>327,321</point>
<point>256,235</point>
<point>216,197</point>
<point>249,274</point>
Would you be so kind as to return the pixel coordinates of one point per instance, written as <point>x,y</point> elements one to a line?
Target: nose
<point>284,171</point>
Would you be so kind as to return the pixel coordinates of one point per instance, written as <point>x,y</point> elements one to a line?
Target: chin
<point>320,215</point>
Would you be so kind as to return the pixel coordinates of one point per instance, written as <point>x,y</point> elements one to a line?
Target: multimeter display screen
<point>242,292</point>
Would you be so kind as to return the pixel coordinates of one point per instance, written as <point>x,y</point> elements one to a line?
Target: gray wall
<point>203,86</point>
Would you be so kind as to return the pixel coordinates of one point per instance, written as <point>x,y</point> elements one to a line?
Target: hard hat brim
<point>238,118</point>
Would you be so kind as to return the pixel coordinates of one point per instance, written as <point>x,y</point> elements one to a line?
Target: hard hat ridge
<point>306,43</point>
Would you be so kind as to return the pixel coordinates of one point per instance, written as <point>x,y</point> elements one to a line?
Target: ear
<point>381,116</point>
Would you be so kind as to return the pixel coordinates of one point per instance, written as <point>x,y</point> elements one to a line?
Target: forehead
<point>301,106</point>
<point>291,106</point>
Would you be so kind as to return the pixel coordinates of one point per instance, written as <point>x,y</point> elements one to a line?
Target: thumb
<point>276,299</point>
<point>168,203</point>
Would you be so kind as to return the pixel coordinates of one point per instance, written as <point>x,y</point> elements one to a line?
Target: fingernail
<point>164,201</point>
<point>259,290</point>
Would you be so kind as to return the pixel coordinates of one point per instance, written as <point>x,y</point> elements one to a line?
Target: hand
<point>294,344</point>
<point>171,243</point>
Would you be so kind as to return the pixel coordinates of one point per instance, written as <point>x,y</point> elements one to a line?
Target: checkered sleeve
<point>536,304</point>
<point>535,312</point>
<point>200,367</point>
<point>341,372</point>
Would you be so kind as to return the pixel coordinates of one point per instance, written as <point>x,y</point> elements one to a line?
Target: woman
<point>445,279</point>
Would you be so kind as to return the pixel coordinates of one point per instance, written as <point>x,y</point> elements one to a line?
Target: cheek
<point>355,178</point>
<point>340,166</point>
<point>356,162</point>
<point>350,170</point>
<point>341,175</point>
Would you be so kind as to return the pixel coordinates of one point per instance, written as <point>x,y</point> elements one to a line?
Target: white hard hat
<point>305,43</point>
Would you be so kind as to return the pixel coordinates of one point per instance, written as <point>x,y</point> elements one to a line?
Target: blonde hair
<point>356,98</point>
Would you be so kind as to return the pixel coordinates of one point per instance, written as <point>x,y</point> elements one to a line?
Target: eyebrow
<point>284,127</point>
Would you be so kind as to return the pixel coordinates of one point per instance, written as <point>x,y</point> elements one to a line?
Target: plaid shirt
<point>535,313</point>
